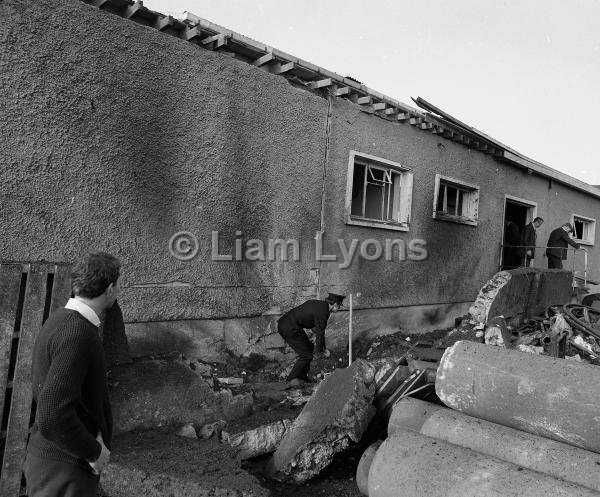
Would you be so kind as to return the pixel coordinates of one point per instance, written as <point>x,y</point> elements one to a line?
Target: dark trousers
<point>554,262</point>
<point>49,478</point>
<point>300,344</point>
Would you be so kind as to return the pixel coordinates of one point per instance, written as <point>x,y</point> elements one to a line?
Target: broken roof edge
<point>512,155</point>
<point>192,28</point>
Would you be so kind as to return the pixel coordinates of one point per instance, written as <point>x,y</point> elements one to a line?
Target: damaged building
<point>124,127</point>
<point>234,182</point>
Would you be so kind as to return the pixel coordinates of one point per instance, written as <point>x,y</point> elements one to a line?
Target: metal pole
<point>350,332</point>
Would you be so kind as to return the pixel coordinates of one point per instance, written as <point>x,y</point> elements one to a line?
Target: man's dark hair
<point>538,219</point>
<point>91,276</point>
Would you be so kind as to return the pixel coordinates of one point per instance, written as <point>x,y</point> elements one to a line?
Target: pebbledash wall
<point>116,136</point>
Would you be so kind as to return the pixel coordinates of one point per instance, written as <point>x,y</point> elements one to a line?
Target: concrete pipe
<point>410,413</point>
<point>411,464</point>
<point>362,471</point>
<point>547,456</point>
<point>546,396</point>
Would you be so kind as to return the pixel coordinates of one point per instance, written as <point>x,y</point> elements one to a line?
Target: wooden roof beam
<point>341,91</point>
<point>366,100</point>
<point>264,59</point>
<point>282,68</point>
<point>190,34</point>
<point>390,111</point>
<point>215,41</point>
<point>403,116</point>
<point>163,23</point>
<point>323,83</point>
<point>414,121</point>
<point>132,10</point>
<point>379,106</point>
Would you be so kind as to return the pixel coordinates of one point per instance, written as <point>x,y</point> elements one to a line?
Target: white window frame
<point>402,200</point>
<point>472,200</point>
<point>591,238</point>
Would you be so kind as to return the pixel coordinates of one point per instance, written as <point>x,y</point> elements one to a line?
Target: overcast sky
<point>526,72</point>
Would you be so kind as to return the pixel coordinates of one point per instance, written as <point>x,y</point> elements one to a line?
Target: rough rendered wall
<point>115,136</point>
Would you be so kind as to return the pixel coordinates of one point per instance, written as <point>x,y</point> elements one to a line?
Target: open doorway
<point>517,214</point>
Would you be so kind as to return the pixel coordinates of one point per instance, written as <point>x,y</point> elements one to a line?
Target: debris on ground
<point>262,440</point>
<point>334,418</point>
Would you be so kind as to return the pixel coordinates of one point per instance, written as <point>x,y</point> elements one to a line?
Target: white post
<point>350,333</point>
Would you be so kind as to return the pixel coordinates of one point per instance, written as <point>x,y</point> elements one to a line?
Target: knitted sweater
<point>70,390</point>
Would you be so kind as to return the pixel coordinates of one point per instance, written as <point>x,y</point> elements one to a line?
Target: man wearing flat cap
<point>313,314</point>
<point>557,245</point>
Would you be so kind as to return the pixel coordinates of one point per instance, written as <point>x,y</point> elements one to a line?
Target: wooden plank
<point>283,68</point>
<point>191,33</point>
<point>403,116</point>
<point>321,83</point>
<point>261,61</point>
<point>364,100</point>
<point>61,287</point>
<point>163,23</point>
<point>344,90</point>
<point>10,284</point>
<point>391,110</point>
<point>20,409</point>
<point>217,41</point>
<point>379,106</point>
<point>133,9</point>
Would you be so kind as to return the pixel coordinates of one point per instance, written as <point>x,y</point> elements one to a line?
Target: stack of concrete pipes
<point>519,425</point>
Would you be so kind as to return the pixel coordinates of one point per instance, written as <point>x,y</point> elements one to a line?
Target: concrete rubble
<point>259,441</point>
<point>334,418</point>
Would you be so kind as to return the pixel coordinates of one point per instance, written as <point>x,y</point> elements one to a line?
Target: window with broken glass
<point>380,193</point>
<point>584,229</point>
<point>455,200</point>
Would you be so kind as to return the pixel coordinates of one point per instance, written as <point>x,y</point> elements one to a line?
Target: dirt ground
<point>164,463</point>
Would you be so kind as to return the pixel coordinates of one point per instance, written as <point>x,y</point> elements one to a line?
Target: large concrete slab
<point>336,416</point>
<point>546,396</point>
<point>521,293</point>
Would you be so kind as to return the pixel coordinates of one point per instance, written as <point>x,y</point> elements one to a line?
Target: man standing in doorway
<point>557,245</point>
<point>312,314</point>
<point>528,241</point>
<point>70,439</point>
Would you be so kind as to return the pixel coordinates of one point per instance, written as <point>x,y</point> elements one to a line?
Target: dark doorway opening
<point>516,217</point>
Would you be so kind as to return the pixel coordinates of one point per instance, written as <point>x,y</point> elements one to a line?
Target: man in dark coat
<point>512,236</point>
<point>557,245</point>
<point>528,241</point>
<point>313,314</point>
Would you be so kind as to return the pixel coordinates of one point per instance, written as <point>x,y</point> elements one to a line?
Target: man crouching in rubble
<point>70,439</point>
<point>312,314</point>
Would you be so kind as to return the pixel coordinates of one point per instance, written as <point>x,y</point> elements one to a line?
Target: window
<point>584,229</point>
<point>455,201</point>
<point>378,193</point>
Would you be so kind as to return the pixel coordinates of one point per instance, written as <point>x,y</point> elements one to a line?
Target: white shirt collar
<point>85,310</point>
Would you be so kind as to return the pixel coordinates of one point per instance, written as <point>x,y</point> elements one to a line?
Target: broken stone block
<point>187,431</point>
<point>212,429</point>
<point>259,441</point>
<point>335,417</point>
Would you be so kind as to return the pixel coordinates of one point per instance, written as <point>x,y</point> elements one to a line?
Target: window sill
<point>373,223</point>
<point>454,219</point>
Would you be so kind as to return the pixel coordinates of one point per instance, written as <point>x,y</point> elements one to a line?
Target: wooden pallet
<point>29,292</point>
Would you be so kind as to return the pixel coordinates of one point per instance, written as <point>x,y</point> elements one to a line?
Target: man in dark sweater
<point>70,439</point>
<point>313,314</point>
<point>557,245</point>
<point>528,241</point>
